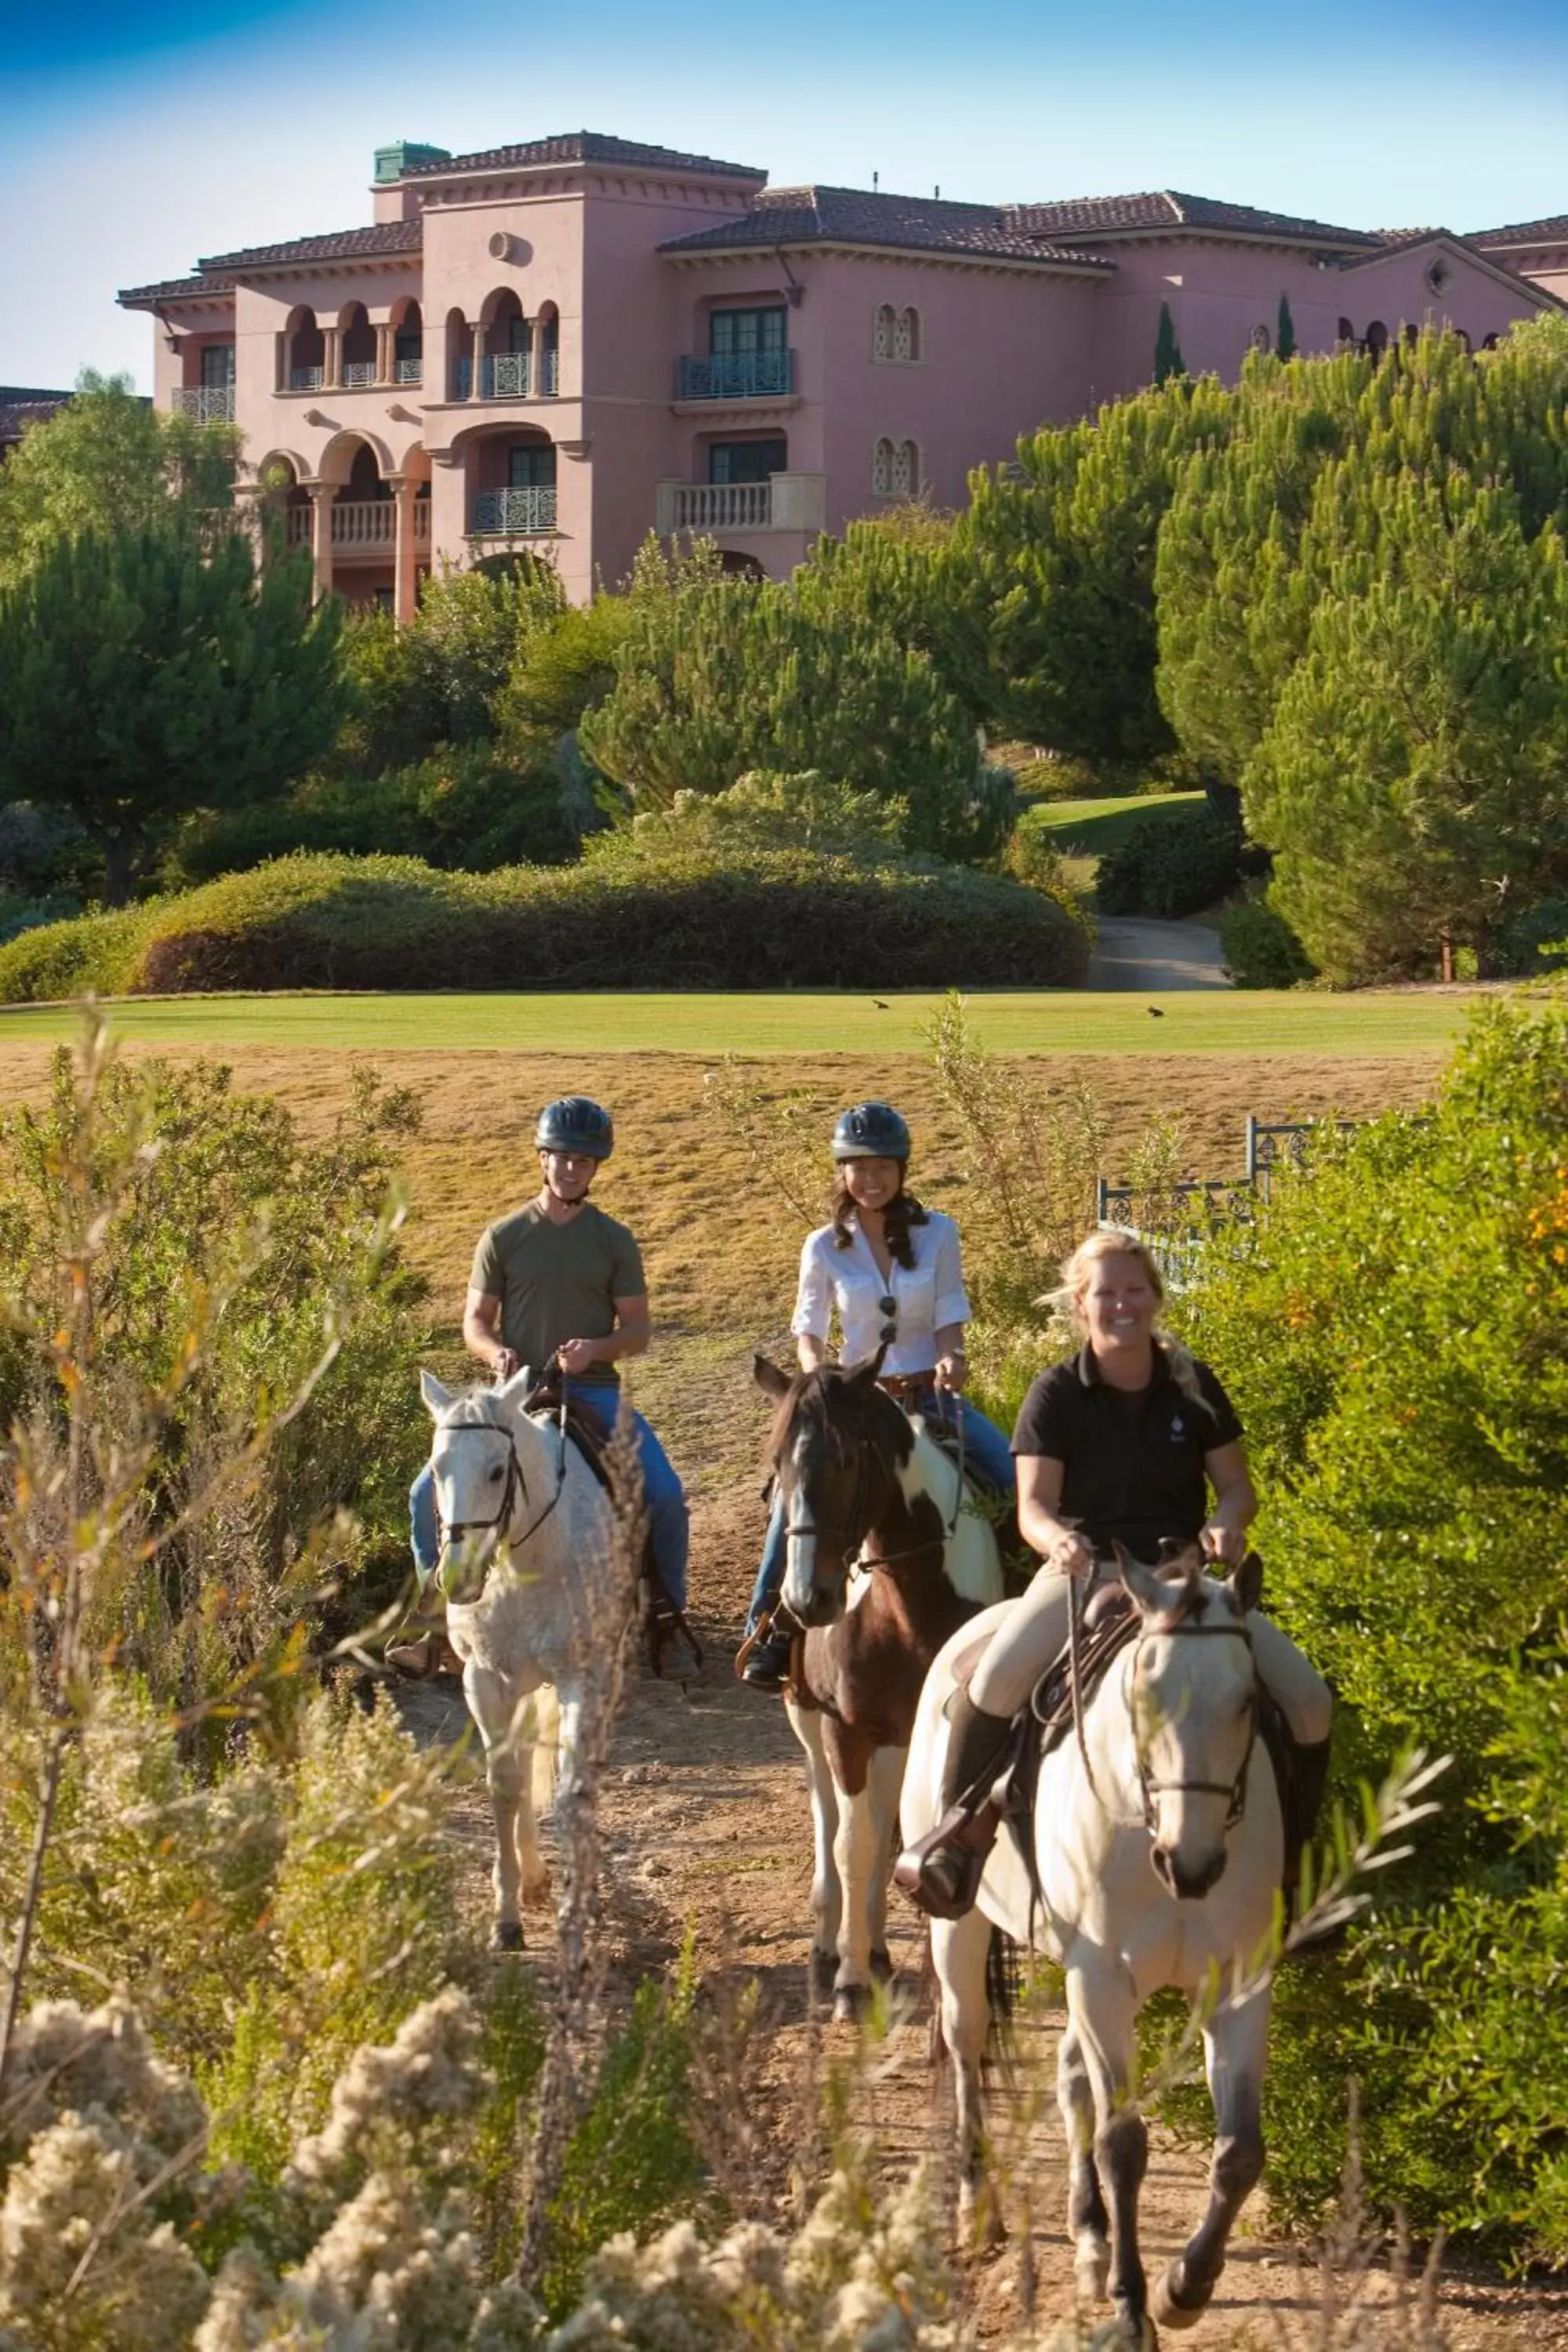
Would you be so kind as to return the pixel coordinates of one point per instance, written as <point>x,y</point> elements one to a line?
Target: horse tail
<point>544,1709</point>
<point>1003,1988</point>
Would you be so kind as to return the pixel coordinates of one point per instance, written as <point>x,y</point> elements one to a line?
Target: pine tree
<point>1061,548</point>
<point>1168,360</point>
<point>1285,336</point>
<point>1413,777</point>
<point>141,677</point>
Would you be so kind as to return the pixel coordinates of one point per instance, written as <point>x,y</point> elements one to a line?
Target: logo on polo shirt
<point>1178,1427</point>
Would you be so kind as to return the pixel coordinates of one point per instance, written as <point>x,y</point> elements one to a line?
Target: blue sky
<point>139,136</point>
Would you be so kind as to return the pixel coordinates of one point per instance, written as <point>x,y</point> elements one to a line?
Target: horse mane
<point>475,1409</point>
<point>810,1397</point>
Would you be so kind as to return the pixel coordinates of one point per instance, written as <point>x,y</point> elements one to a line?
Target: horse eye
<point>495,1473</point>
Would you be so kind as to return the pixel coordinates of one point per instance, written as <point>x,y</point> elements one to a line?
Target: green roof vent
<point>405,155</point>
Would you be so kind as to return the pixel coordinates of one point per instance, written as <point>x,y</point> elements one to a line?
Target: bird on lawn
<point>880,1003</point>
<point>1156,1012</point>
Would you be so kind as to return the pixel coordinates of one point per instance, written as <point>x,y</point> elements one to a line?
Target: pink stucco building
<point>564,344</point>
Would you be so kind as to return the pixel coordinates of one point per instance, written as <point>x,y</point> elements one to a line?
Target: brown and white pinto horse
<point>884,1563</point>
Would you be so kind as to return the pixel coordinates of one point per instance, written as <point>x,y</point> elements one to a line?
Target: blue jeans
<point>982,1443</point>
<point>670,1532</point>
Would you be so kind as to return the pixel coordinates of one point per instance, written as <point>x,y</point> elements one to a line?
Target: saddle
<point>661,1619</point>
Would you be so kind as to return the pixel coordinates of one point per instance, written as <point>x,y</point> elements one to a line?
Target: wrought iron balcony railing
<point>506,375</point>
<point>205,404</point>
<point>735,375</point>
<point>358,374</point>
<point>306,379</point>
<point>408,371</point>
<point>512,514</point>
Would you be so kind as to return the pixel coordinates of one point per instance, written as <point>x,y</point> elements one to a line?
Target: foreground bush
<point>678,919</point>
<point>1391,1330</point>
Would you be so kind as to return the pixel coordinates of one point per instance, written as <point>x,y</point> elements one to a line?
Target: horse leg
<point>885,1784</point>
<point>531,1861</point>
<point>1103,2007</point>
<point>826,1893</point>
<point>855,1853</point>
<point>959,1948</point>
<point>1087,2220</point>
<point>1235,2047</point>
<point>494,1704</point>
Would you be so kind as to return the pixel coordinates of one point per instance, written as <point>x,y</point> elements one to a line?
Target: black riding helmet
<point>575,1124</point>
<point>871,1130</point>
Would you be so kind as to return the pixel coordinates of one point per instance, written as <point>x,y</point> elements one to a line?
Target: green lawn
<point>1089,828</point>
<point>1217,1022</point>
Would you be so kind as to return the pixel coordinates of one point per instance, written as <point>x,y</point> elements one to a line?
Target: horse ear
<point>438,1396</point>
<point>867,1375</point>
<point>769,1379</point>
<point>516,1386</point>
<point>1143,1585</point>
<point>1246,1584</point>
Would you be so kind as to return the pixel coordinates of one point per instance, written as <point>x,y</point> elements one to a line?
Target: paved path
<point>1155,957</point>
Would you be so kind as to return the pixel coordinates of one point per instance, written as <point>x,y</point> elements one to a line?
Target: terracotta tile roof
<point>382,237</point>
<point>20,405</point>
<point>1552,231</point>
<point>1167,208</point>
<point>584,147</point>
<point>820,215</point>
<point>171,289</point>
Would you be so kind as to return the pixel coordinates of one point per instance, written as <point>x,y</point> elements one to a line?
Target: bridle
<point>457,1530</point>
<point>863,1562</point>
<point>1235,1790</point>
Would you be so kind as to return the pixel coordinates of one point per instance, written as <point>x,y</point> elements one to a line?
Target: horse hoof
<point>508,1936</point>
<point>850,2003</point>
<point>1123,2335</point>
<point>882,1967</point>
<point>1181,2302</point>
<point>823,1969</point>
<point>1091,2276</point>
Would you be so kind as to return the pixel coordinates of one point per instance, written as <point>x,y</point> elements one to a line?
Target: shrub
<point>460,808</point>
<point>1261,950</point>
<point>1169,864</point>
<point>1533,942</point>
<point>682,919</point>
<point>1391,1327</point>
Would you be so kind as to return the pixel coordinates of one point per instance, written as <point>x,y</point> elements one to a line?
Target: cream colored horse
<point>520,1512</point>
<point>1169,1774</point>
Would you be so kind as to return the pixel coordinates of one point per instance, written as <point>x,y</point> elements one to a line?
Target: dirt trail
<point>706,1830</point>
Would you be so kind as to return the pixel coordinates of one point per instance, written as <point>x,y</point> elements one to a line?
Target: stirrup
<point>941,1871</point>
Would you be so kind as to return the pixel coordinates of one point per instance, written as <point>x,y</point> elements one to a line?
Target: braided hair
<point>902,1212</point>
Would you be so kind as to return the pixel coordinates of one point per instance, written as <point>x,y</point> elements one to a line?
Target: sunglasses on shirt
<point>889,1331</point>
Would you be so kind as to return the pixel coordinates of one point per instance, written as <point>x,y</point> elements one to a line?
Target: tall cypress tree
<point>1285,334</point>
<point>1168,360</point>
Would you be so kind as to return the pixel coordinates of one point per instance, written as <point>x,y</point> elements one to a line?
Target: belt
<point>902,1385</point>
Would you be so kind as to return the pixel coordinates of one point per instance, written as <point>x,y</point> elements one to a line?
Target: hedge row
<point>684,921</point>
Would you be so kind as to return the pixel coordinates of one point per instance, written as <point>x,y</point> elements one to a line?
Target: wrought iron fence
<point>512,514</point>
<point>205,404</point>
<point>734,375</point>
<point>506,375</point>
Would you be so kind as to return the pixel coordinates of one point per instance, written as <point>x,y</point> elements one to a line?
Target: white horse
<point>521,1513</point>
<point>1169,1774</point>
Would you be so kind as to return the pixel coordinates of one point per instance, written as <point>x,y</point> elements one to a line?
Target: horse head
<point>831,1475</point>
<point>1195,1710</point>
<point>480,1484</point>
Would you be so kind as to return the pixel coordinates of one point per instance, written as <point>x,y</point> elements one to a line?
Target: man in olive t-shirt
<point>558,1277</point>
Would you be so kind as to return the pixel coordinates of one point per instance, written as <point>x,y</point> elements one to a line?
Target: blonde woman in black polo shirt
<point>1124,1442</point>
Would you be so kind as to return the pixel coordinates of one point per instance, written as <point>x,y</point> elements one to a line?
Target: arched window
<point>1346,336</point>
<point>1488,342</point>
<point>1462,339</point>
<point>882,469</point>
<point>507,337</point>
<point>407,343</point>
<point>1260,339</point>
<point>356,349</point>
<point>305,348</point>
<point>907,471</point>
<point>882,339</point>
<point>907,335</point>
<point>459,357</point>
<point>1376,340</point>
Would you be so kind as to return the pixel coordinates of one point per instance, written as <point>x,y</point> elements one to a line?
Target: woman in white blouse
<point>891,1270</point>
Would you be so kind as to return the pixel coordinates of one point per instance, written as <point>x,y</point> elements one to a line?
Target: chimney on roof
<point>936,192</point>
<point>875,182</point>
<point>405,155</point>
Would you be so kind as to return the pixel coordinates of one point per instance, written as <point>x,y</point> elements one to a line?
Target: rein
<point>516,1484</point>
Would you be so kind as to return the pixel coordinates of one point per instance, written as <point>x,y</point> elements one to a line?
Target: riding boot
<point>422,1648</point>
<point>1309,1779</point>
<point>942,1870</point>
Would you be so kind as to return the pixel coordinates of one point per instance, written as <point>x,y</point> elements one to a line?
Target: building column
<point>403,489</point>
<point>481,337</point>
<point>332,358</point>
<point>321,497</point>
<point>536,358</point>
<point>385,345</point>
